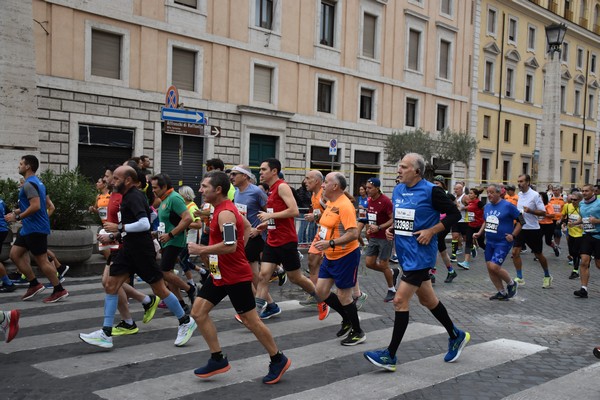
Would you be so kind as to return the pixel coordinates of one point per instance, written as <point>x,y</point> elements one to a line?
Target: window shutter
<point>106,54</point>
<point>444,55</point>
<point>262,84</point>
<point>413,49</point>
<point>369,24</point>
<point>183,69</point>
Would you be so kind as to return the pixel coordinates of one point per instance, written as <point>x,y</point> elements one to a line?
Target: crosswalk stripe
<point>185,383</point>
<point>422,373</point>
<point>581,384</point>
<point>62,338</point>
<point>94,362</point>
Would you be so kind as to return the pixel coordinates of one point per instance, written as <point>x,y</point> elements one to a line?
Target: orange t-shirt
<point>548,219</point>
<point>338,217</point>
<point>102,201</point>
<point>512,199</point>
<point>557,204</point>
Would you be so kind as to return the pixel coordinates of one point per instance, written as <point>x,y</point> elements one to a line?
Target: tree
<point>400,144</point>
<point>457,146</point>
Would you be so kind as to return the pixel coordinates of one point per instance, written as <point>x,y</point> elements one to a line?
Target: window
<point>577,110</point>
<point>587,175</point>
<point>526,134</point>
<point>324,96</point>
<point>564,53</point>
<point>486,126</point>
<point>411,112</point>
<point>442,117</point>
<point>590,106</point>
<point>188,3</point>
<point>263,77</point>
<point>327,23</point>
<point>485,167</point>
<point>369,29</point>
<point>184,69</point>
<point>563,99</point>
<point>505,171</point>
<point>491,21</point>
<point>529,88</point>
<point>444,67</point>
<point>574,145</point>
<point>573,175</point>
<point>525,168</point>
<point>446,7</point>
<point>510,75</point>
<point>106,54</point>
<point>561,141</point>
<point>321,160</point>
<point>414,44</point>
<point>512,30</point>
<point>579,58</point>
<point>366,165</point>
<point>507,124</point>
<point>366,103</point>
<point>264,14</point>
<point>489,77</point>
<point>593,64</point>
<point>531,38</point>
<point>588,145</point>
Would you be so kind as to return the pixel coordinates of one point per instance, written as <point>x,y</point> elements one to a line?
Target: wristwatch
<point>18,217</point>
<point>170,235</point>
<point>332,244</point>
<point>111,236</point>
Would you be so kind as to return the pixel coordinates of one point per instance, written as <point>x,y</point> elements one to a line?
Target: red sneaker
<point>56,296</point>
<point>10,326</point>
<point>323,310</point>
<point>32,291</point>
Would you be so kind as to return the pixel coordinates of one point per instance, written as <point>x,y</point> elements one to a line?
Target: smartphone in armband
<point>229,233</point>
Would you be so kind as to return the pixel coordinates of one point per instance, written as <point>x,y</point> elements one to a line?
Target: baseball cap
<point>439,178</point>
<point>375,182</point>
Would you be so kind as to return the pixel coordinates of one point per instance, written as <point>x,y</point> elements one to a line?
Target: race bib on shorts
<point>404,221</point>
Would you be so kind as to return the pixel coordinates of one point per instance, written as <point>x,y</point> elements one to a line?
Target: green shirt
<point>169,213</point>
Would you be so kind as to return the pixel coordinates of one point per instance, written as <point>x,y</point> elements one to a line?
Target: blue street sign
<point>175,114</point>
<point>333,146</point>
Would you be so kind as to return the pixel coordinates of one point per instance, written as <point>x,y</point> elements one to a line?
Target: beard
<point>120,188</point>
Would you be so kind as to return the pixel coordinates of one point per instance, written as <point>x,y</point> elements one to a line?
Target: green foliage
<point>400,144</point>
<point>72,194</point>
<point>457,146</point>
<point>9,192</point>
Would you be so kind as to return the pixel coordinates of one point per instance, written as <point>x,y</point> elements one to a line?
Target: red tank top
<point>113,207</point>
<point>475,213</point>
<point>283,230</point>
<point>234,267</point>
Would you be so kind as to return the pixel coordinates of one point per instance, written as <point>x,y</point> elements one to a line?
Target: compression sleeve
<point>141,225</point>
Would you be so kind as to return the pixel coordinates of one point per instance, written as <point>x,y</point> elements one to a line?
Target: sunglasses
<point>233,173</point>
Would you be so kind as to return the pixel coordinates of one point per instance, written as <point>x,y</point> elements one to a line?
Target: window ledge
<point>369,59</point>
<point>266,31</point>
<point>186,8</point>
<point>328,48</point>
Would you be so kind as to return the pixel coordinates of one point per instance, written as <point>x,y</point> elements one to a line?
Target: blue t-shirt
<point>3,224</point>
<point>250,202</point>
<point>363,201</point>
<point>39,221</point>
<point>587,210</point>
<point>499,220</point>
<point>413,211</point>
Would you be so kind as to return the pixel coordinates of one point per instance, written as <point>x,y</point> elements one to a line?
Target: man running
<point>590,245</point>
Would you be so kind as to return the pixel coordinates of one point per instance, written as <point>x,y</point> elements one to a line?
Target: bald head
<point>124,177</point>
<point>314,180</point>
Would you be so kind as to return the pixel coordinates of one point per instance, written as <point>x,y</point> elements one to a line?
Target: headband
<point>243,171</point>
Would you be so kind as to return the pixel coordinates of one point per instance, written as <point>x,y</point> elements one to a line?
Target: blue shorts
<point>343,270</point>
<point>496,252</point>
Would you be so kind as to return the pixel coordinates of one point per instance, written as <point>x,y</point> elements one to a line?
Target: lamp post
<point>549,143</point>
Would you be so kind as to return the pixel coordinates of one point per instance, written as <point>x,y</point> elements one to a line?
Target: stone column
<point>549,140</point>
<point>18,102</point>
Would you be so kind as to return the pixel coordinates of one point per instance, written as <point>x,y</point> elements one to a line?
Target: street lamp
<point>555,35</point>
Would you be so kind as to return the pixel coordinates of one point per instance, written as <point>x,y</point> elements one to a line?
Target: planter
<point>72,247</point>
<point>5,247</point>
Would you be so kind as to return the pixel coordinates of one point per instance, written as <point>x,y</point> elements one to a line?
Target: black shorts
<point>36,243</point>
<point>590,246</point>
<point>240,294</point>
<point>254,247</point>
<point>286,255</point>
<point>416,278</point>
<point>168,258</point>
<point>460,227</point>
<point>530,237</point>
<point>137,258</point>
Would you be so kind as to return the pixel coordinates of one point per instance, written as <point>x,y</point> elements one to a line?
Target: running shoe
<point>459,251</point>
<point>310,301</point>
<point>213,367</point>
<point>394,259</point>
<point>8,288</point>
<point>547,282</point>
<point>238,318</point>
<point>382,359</point>
<point>396,273</point>
<point>597,351</point>
<point>276,370</point>
<point>557,251</point>
<point>274,277</point>
<point>162,304</point>
<point>282,276</point>
<point>464,265</point>
<point>270,311</point>
<point>19,281</point>
<point>185,332</point>
<point>97,338</point>
<point>354,338</point>
<point>62,271</point>
<point>450,277</point>
<point>499,296</point>
<point>453,258</point>
<point>455,346</point>
<point>56,296</point>
<point>360,300</point>
<point>346,326</point>
<point>32,291</point>
<point>150,308</point>
<point>473,251</point>
<point>582,293</point>
<point>524,251</point>
<point>520,281</point>
<point>323,310</point>
<point>390,296</point>
<point>570,263</point>
<point>574,275</point>
<point>123,328</point>
<point>191,293</point>
<point>512,289</point>
<point>10,326</point>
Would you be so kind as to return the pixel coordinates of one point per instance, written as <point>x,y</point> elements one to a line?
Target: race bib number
<point>404,221</point>
<point>557,208</point>
<point>119,216</point>
<point>213,265</point>
<point>271,221</point>
<point>491,224</point>
<point>372,218</point>
<point>573,218</point>
<point>588,226</point>
<point>362,213</point>
<point>242,208</point>
<point>471,215</point>
<point>322,233</point>
<point>103,213</point>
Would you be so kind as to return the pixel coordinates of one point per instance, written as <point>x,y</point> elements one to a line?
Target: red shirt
<point>378,213</point>
<point>281,230</point>
<point>234,267</point>
<point>475,210</point>
<point>114,203</point>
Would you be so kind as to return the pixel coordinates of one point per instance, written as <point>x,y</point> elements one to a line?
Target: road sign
<point>172,97</point>
<point>173,114</point>
<point>333,147</point>
<point>215,131</point>
<point>188,129</point>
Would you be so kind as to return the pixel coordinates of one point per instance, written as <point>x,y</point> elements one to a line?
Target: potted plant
<point>71,193</point>
<point>9,193</point>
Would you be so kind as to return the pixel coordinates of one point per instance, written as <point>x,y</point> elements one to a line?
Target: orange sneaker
<point>323,310</point>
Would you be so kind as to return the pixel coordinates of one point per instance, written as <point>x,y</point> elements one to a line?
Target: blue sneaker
<point>213,367</point>
<point>270,311</point>
<point>456,346</point>
<point>381,358</point>
<point>512,289</point>
<point>276,370</point>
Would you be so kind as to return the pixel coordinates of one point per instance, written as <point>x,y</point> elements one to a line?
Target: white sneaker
<point>185,332</point>
<point>97,338</point>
